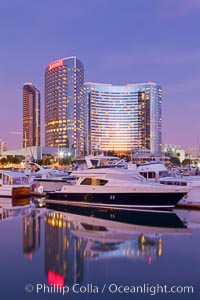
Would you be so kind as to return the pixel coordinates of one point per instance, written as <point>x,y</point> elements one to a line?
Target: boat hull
<point>154,200</point>
<point>15,192</point>
<point>20,192</point>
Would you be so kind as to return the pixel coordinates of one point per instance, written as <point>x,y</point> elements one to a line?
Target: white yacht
<point>45,180</point>
<point>35,170</point>
<point>156,171</point>
<point>14,184</point>
<point>193,181</point>
<point>118,188</point>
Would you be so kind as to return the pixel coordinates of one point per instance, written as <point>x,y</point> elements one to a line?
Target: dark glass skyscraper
<point>64,104</point>
<point>31,116</point>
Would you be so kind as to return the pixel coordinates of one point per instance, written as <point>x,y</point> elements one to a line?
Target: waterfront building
<point>64,105</point>
<point>123,118</point>
<point>193,152</point>
<point>3,146</point>
<point>35,152</point>
<point>174,151</point>
<point>31,116</point>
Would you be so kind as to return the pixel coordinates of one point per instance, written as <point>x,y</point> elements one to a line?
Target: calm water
<point>80,252</point>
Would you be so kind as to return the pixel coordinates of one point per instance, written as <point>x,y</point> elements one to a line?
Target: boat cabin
<point>153,170</point>
<point>13,178</point>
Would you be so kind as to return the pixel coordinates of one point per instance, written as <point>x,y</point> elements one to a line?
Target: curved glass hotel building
<point>64,104</point>
<point>123,118</point>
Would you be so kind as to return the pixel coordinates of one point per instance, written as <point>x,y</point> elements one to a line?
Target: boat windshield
<point>163,174</point>
<point>139,178</point>
<point>19,180</point>
<point>10,180</point>
<point>93,181</point>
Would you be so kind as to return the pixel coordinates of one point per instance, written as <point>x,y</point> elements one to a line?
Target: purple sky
<point>118,41</point>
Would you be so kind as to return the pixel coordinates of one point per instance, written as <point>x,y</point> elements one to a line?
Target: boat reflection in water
<point>10,208</point>
<point>74,235</point>
<point>189,217</point>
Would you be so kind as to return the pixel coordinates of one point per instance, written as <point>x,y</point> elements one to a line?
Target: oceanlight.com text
<point>112,288</point>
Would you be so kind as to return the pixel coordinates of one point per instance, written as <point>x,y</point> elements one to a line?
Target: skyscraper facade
<point>64,104</point>
<point>31,116</point>
<point>123,118</point>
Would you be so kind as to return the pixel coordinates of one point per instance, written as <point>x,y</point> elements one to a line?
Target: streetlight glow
<point>61,153</point>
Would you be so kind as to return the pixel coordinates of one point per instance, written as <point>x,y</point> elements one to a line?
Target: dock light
<point>22,164</point>
<point>61,154</point>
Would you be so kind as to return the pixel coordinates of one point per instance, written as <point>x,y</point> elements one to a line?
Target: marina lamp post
<point>60,156</point>
<point>69,154</point>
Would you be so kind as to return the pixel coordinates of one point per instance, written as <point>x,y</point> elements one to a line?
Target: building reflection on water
<point>31,234</point>
<point>76,236</point>
<point>64,254</point>
<point>11,209</point>
<point>71,240</point>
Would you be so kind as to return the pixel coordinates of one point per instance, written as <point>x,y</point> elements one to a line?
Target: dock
<point>188,205</point>
<point>38,194</point>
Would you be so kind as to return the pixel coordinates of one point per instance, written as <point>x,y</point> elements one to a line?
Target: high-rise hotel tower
<point>31,116</point>
<point>64,104</point>
<point>123,118</point>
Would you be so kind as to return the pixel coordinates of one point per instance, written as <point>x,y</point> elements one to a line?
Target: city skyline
<point>79,115</point>
<point>121,42</point>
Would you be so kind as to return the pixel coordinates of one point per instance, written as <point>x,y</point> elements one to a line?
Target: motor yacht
<point>44,180</point>
<point>14,184</point>
<point>156,171</point>
<point>117,188</point>
<point>35,170</point>
<point>193,181</point>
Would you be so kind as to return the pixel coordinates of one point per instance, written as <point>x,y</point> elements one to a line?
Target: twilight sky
<point>118,41</point>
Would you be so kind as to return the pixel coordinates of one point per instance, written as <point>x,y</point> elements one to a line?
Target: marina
<point>153,172</point>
